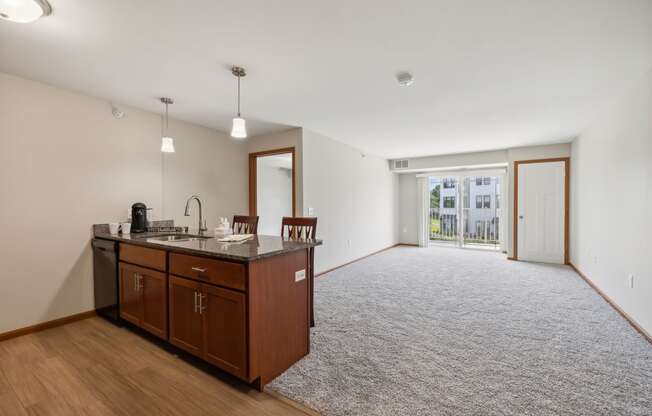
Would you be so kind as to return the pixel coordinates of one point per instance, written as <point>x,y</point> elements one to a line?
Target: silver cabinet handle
<point>199,269</point>
<point>202,308</point>
<point>195,301</point>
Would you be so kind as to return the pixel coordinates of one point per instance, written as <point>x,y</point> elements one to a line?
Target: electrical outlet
<point>405,229</point>
<point>630,280</point>
<point>300,275</point>
<point>348,243</point>
<point>311,212</point>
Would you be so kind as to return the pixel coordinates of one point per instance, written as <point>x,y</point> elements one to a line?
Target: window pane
<point>487,201</point>
<point>478,181</point>
<point>478,201</point>
<point>487,180</point>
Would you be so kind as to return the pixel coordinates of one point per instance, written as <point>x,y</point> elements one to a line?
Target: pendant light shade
<point>239,129</point>
<point>167,145</point>
<point>167,142</point>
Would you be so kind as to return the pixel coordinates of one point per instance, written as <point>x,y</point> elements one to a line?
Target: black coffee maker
<point>138,218</point>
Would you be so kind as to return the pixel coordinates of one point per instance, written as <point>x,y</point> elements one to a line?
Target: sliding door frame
<point>502,175</point>
<point>566,161</point>
<point>253,177</point>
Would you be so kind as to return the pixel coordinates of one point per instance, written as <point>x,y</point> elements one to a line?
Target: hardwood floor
<point>92,367</point>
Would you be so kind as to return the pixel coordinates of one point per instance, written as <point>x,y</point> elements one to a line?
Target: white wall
<point>408,201</point>
<point>611,202</point>
<point>66,163</point>
<point>354,197</point>
<point>274,195</point>
<point>208,163</point>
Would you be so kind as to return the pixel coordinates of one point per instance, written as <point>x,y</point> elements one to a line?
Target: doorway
<point>541,207</point>
<point>272,188</point>
<point>466,210</point>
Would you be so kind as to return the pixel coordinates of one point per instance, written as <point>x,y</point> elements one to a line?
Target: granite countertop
<point>260,246</point>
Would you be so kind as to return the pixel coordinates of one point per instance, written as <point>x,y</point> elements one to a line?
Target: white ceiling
<point>489,74</point>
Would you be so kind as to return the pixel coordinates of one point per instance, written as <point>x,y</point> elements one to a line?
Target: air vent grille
<point>400,164</point>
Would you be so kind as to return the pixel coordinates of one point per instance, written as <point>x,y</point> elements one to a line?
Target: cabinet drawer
<point>223,273</point>
<point>143,256</point>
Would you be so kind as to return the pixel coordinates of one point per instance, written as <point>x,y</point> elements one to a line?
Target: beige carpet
<point>442,331</point>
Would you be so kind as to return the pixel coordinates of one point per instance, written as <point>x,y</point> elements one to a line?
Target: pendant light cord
<point>238,96</point>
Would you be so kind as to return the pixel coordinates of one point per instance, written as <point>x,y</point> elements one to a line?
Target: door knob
<point>520,217</point>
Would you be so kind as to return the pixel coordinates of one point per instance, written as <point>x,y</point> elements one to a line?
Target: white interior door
<point>541,212</point>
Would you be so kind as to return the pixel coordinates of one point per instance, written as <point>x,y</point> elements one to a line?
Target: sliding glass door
<point>443,210</point>
<point>465,210</point>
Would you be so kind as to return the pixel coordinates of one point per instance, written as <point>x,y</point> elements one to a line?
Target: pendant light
<point>239,129</point>
<point>167,142</point>
<point>24,11</point>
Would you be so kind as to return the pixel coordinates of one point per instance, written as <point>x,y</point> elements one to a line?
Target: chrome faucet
<point>202,222</point>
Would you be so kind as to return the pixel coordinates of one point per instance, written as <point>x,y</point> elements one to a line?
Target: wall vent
<point>400,164</point>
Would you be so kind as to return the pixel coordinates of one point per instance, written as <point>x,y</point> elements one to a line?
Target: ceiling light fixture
<point>405,79</point>
<point>239,129</point>
<point>24,11</point>
<point>167,142</point>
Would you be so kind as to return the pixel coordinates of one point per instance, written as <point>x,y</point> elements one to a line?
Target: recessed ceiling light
<point>24,11</point>
<point>405,79</point>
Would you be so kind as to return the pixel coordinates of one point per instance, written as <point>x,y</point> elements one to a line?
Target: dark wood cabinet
<point>185,322</point>
<point>130,305</point>
<point>224,328</point>
<point>250,319</point>
<point>143,298</point>
<point>155,303</point>
<point>209,322</point>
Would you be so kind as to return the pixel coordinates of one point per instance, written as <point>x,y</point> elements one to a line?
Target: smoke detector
<point>117,112</point>
<point>405,79</point>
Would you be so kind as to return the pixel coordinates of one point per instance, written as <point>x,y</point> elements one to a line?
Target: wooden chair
<point>244,224</point>
<point>300,228</point>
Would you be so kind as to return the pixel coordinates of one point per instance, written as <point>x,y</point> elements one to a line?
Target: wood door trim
<point>566,161</point>
<point>253,175</point>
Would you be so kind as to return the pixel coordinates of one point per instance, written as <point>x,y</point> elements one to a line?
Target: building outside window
<point>487,180</point>
<point>478,201</point>
<point>449,202</point>
<point>487,201</point>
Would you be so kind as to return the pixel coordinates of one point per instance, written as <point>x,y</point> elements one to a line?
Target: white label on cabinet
<point>300,275</point>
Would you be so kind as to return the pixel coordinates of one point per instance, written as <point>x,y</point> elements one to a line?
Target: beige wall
<point>66,163</point>
<point>354,197</point>
<point>611,201</point>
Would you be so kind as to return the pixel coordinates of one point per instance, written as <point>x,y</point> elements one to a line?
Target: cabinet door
<point>131,308</point>
<point>155,303</point>
<point>224,313</point>
<point>185,320</point>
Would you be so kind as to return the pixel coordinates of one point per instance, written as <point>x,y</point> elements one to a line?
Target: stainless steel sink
<point>178,237</point>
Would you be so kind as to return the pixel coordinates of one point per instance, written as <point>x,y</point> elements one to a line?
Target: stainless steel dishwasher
<point>105,279</point>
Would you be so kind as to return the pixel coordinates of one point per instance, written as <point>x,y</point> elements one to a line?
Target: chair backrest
<point>299,227</point>
<point>245,224</point>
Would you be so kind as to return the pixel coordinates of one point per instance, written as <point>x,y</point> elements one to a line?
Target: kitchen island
<point>243,307</point>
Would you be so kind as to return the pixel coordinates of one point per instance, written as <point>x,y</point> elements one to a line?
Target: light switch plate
<point>300,275</point>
